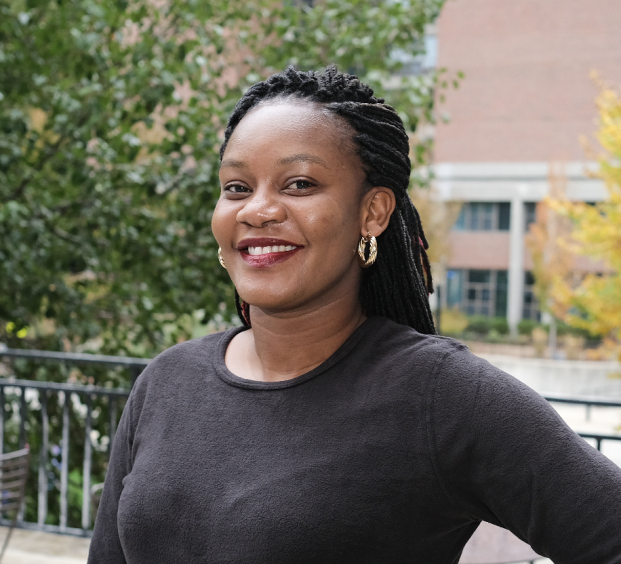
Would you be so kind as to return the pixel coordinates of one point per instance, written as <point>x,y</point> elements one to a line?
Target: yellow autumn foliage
<point>593,301</point>
<point>547,241</point>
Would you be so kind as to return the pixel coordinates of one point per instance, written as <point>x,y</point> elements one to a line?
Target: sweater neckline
<point>371,324</point>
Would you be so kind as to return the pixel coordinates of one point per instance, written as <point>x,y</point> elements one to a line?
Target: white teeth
<point>266,250</point>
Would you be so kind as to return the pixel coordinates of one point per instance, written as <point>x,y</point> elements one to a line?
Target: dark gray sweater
<point>391,451</point>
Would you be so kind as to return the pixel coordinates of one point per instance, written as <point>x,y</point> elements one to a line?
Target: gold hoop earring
<point>362,247</point>
<point>220,259</point>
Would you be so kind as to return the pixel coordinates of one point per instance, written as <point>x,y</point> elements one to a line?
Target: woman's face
<point>292,208</point>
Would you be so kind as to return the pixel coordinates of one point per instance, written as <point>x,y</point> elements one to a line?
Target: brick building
<point>526,100</point>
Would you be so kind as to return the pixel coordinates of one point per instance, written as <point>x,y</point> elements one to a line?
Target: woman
<point>335,426</point>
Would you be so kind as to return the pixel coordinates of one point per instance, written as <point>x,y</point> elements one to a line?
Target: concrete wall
<point>573,378</point>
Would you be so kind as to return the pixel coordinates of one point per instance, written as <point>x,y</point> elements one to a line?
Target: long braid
<point>399,283</point>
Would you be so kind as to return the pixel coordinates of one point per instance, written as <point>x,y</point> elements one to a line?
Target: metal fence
<point>70,429</point>
<point>75,404</point>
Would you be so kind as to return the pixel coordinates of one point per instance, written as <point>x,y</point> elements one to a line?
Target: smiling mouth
<point>259,251</point>
<point>261,254</point>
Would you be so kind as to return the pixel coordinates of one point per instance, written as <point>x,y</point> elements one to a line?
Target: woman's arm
<point>505,456</point>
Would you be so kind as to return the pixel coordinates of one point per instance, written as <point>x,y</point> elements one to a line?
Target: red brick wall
<point>489,250</point>
<point>479,249</point>
<point>527,94</point>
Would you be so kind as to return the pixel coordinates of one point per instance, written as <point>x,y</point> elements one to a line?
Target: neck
<point>283,346</point>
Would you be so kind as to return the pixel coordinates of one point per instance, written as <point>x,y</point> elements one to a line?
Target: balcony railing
<point>73,408</point>
<point>70,429</point>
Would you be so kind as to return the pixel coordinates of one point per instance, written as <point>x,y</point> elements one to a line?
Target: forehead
<point>282,125</point>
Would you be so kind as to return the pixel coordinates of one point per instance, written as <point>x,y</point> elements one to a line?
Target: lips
<point>265,252</point>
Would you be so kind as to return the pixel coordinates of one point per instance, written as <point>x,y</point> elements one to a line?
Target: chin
<point>267,300</point>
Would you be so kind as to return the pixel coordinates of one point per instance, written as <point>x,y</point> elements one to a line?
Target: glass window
<point>530,214</point>
<point>530,306</point>
<point>502,290</point>
<point>478,292</point>
<point>454,287</point>
<point>431,51</point>
<point>460,224</point>
<point>504,216</point>
<point>473,224</point>
<point>479,276</point>
<point>484,216</point>
<point>488,217</point>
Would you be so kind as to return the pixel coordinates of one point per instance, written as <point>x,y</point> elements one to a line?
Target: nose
<point>262,208</point>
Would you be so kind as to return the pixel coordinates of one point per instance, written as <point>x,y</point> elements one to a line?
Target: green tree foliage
<point>111,116</point>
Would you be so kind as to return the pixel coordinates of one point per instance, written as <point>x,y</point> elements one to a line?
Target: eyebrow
<point>232,163</point>
<point>301,157</point>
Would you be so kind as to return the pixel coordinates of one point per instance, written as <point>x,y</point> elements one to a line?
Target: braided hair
<point>398,285</point>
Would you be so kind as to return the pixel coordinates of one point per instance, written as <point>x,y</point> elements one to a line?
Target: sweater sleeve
<point>505,456</point>
<point>105,545</point>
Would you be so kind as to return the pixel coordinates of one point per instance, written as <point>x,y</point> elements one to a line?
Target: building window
<point>530,309</point>
<point>530,214</point>
<point>478,292</point>
<point>421,58</point>
<point>484,216</point>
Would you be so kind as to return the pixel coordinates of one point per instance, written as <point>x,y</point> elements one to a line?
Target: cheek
<point>220,221</point>
<point>337,226</point>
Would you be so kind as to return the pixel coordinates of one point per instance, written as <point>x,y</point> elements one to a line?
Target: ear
<point>377,207</point>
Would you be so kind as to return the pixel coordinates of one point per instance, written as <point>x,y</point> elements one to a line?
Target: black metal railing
<point>70,429</point>
<point>589,403</point>
<point>133,364</point>
<point>72,408</point>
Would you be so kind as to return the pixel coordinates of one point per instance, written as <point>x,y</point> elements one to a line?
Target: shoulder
<point>188,354</point>
<point>455,379</point>
<point>474,406</point>
<point>180,363</point>
<point>429,354</point>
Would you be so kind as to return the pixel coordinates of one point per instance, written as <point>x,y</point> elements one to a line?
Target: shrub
<point>479,324</point>
<point>500,325</point>
<point>453,322</point>
<point>526,326</point>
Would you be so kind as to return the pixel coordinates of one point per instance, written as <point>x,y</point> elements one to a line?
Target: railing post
<point>2,401</point>
<point>112,414</point>
<point>23,413</point>
<point>64,470</point>
<point>86,471</point>
<point>43,480</point>
<point>135,371</point>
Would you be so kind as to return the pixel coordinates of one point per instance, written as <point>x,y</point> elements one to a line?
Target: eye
<point>301,185</point>
<point>236,189</point>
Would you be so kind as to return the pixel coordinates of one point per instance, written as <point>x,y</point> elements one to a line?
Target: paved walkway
<point>34,547</point>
